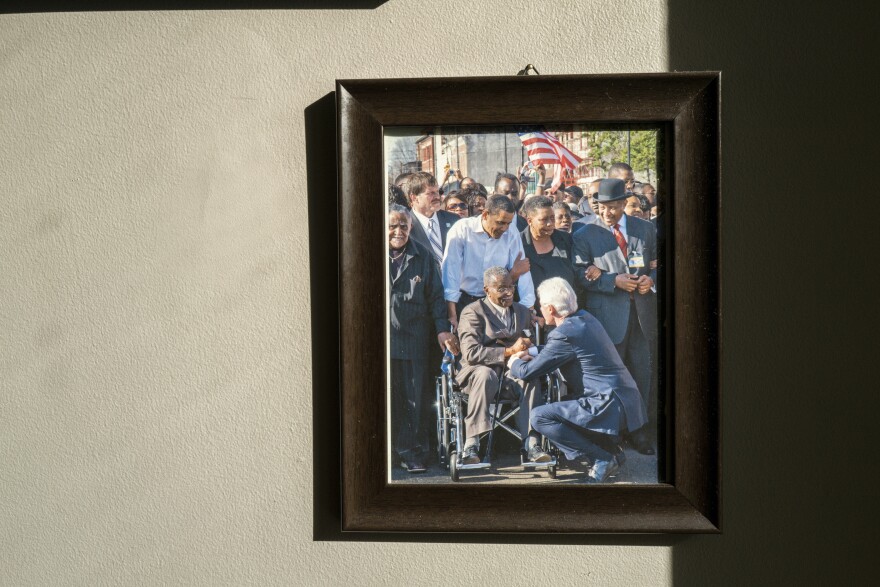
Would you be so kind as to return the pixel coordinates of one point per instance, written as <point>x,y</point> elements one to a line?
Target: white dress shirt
<point>470,250</point>
<point>504,314</point>
<point>424,220</point>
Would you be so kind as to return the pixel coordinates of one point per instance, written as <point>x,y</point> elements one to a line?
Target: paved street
<point>637,469</point>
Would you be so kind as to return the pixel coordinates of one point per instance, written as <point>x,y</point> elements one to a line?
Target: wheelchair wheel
<point>442,423</point>
<point>441,454</point>
<point>453,465</point>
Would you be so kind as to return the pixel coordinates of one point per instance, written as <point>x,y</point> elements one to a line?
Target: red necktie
<point>621,242</point>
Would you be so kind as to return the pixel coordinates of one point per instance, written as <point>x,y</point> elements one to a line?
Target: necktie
<point>621,242</point>
<point>434,238</point>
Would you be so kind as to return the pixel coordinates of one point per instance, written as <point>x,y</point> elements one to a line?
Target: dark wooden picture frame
<point>686,106</point>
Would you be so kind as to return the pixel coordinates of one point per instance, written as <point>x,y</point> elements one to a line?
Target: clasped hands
<point>518,350</point>
<point>625,281</point>
<point>521,345</point>
<point>519,356</point>
<point>631,283</point>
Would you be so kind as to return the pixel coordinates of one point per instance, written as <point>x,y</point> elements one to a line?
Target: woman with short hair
<point>549,251</point>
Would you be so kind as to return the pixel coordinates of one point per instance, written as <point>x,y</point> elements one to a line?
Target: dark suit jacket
<point>581,350</point>
<point>417,312</point>
<point>581,222</point>
<point>483,337</point>
<point>444,219</point>
<point>595,244</point>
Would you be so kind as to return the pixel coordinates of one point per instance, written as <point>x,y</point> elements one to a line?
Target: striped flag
<point>544,147</point>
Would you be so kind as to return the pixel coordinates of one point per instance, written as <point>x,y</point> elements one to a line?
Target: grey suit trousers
<point>635,352</point>
<point>481,389</point>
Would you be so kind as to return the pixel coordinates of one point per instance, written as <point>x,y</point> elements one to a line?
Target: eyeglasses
<point>504,289</point>
<point>457,207</point>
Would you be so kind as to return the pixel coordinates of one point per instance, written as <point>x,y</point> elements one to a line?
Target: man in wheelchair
<point>491,331</point>
<point>607,403</point>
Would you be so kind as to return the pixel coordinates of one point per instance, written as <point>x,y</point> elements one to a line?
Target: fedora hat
<point>611,190</point>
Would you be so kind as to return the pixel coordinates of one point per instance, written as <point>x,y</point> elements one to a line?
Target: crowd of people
<point>479,270</point>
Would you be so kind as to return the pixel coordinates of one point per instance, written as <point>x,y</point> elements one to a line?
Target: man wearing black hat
<point>623,298</point>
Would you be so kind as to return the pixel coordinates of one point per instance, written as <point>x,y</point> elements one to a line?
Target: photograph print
<point>522,289</point>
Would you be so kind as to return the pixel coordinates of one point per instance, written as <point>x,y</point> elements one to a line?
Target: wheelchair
<point>451,406</point>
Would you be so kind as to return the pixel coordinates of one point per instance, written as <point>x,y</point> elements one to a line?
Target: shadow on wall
<point>799,118</point>
<point>30,6</point>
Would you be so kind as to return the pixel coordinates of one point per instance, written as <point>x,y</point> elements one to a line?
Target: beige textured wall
<point>155,383</point>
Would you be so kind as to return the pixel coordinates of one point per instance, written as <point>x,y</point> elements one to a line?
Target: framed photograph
<point>630,141</point>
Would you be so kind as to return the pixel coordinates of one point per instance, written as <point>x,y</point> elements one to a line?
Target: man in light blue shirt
<point>477,243</point>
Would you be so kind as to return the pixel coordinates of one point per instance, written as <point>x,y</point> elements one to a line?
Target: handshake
<point>518,351</point>
<point>521,344</point>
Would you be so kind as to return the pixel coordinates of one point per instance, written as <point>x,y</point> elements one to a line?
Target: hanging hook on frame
<point>525,70</point>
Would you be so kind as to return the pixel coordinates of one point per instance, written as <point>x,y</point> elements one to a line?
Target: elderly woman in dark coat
<point>417,314</point>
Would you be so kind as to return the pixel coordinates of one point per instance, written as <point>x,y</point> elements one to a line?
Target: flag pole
<point>628,146</point>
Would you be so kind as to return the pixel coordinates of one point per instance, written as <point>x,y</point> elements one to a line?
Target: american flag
<point>544,147</point>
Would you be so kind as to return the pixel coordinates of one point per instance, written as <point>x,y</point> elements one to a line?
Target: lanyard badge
<point>636,260</point>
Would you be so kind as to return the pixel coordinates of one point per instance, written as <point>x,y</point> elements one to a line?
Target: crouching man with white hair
<point>608,402</point>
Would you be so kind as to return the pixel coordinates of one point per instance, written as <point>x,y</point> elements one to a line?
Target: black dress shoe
<point>470,455</point>
<point>639,440</point>
<point>602,470</point>
<point>413,466</point>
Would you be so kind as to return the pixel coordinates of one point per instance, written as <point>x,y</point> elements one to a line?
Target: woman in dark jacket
<point>548,250</point>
